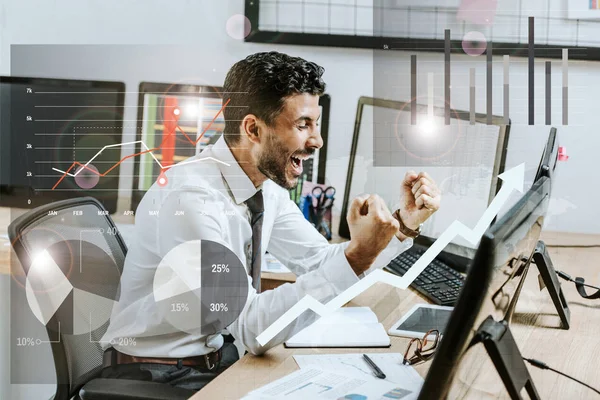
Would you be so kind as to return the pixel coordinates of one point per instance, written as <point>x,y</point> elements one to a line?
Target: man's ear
<point>251,128</point>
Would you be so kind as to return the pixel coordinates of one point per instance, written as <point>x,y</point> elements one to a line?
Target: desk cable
<point>580,283</point>
<point>542,365</point>
<point>573,246</point>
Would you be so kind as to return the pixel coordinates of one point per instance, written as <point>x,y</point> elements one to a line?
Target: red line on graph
<point>145,151</point>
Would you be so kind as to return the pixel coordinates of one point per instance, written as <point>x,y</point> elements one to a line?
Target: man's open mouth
<point>296,162</point>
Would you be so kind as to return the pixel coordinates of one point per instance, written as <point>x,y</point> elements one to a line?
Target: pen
<point>376,371</point>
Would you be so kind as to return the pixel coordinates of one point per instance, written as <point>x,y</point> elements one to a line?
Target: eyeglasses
<point>424,350</point>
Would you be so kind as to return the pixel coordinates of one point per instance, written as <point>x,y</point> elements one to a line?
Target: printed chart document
<point>273,265</point>
<point>346,327</point>
<point>318,384</point>
<point>389,363</point>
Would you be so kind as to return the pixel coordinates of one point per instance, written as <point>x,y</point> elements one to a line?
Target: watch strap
<point>406,231</point>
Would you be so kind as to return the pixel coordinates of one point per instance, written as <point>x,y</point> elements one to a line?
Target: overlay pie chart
<point>200,286</point>
<point>72,286</point>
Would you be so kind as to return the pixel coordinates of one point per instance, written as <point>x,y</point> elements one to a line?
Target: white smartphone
<point>420,319</point>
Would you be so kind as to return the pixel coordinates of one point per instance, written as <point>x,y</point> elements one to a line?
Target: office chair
<point>78,356</point>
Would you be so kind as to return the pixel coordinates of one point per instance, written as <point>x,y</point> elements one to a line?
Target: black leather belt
<point>206,363</point>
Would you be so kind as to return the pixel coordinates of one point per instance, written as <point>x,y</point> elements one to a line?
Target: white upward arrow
<point>512,180</point>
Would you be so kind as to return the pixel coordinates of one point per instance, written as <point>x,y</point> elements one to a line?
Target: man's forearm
<point>359,262</point>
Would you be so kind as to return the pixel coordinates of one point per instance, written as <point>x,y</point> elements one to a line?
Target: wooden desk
<point>535,326</point>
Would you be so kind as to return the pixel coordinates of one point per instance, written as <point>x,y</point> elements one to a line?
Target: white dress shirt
<point>212,196</point>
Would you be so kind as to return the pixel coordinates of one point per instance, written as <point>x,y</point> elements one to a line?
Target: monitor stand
<point>500,345</point>
<point>541,258</point>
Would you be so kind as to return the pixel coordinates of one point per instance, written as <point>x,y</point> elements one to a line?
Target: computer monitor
<point>491,288</point>
<point>465,158</point>
<point>59,138</point>
<point>549,156</point>
<point>195,117</point>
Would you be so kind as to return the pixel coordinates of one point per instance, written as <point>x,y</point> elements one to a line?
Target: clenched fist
<point>420,199</point>
<point>372,226</point>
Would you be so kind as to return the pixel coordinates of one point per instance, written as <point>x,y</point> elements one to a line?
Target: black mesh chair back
<point>72,255</point>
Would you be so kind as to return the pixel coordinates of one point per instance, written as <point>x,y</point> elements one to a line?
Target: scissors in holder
<point>324,197</point>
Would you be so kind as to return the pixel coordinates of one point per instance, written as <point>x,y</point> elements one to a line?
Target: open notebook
<point>347,327</point>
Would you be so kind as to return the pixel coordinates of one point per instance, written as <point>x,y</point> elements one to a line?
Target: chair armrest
<point>127,389</point>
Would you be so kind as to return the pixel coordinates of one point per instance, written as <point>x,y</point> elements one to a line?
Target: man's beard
<point>273,162</point>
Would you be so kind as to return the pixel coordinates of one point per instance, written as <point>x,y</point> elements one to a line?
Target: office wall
<point>186,41</point>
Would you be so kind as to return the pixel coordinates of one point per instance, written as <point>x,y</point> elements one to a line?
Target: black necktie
<point>257,208</point>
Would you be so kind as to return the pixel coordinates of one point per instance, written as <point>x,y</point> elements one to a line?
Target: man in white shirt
<point>236,193</point>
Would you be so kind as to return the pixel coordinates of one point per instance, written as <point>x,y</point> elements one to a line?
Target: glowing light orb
<point>238,26</point>
<point>474,43</point>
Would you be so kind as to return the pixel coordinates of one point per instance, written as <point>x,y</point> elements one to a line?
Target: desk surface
<point>535,327</point>
<point>575,352</point>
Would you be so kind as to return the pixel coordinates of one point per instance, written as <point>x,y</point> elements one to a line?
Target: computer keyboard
<point>439,283</point>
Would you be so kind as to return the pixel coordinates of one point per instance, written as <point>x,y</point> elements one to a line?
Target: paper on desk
<point>320,384</point>
<point>389,363</point>
<point>273,265</point>
<point>346,327</point>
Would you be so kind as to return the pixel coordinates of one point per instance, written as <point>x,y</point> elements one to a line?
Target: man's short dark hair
<point>259,85</point>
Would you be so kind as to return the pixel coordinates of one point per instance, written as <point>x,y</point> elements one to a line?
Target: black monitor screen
<point>491,289</point>
<point>59,139</point>
<point>386,145</point>
<point>178,121</point>
<point>549,156</point>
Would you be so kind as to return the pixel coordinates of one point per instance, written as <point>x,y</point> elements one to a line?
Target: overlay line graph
<point>131,155</point>
<point>148,150</point>
<point>513,180</point>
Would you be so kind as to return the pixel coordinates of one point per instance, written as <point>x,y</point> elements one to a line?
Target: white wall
<point>185,41</point>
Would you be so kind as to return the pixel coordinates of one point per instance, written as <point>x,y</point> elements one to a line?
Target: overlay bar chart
<point>548,93</point>
<point>413,89</point>
<point>565,87</point>
<point>506,96</point>
<point>430,97</point>
<point>447,77</point>
<point>531,71</point>
<point>472,96</point>
<point>489,86</point>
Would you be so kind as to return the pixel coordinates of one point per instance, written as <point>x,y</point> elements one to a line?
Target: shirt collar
<point>239,183</point>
